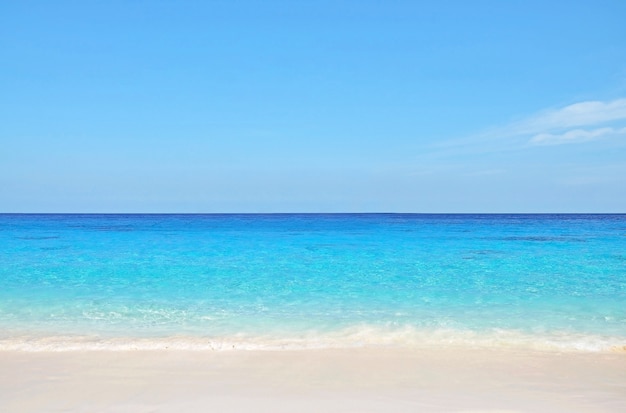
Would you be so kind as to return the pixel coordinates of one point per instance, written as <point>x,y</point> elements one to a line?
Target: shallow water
<point>312,280</point>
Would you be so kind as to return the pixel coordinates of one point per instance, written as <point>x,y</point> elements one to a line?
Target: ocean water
<point>297,281</point>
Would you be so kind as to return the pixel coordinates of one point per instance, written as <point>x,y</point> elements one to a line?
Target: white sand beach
<point>360,380</point>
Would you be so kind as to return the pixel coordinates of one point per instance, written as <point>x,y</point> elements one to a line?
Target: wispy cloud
<point>579,114</point>
<point>574,136</point>
<point>573,124</point>
<point>580,122</point>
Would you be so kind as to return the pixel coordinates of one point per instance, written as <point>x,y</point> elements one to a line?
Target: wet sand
<point>361,380</point>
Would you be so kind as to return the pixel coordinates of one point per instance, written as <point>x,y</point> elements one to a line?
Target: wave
<point>354,337</point>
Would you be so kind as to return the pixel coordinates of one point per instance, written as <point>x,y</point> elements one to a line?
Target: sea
<point>545,282</point>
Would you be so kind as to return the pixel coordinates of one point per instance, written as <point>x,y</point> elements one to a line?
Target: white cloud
<point>574,135</point>
<point>576,123</point>
<point>579,114</point>
<point>573,124</point>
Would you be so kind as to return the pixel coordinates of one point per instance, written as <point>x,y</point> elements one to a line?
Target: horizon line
<point>313,213</point>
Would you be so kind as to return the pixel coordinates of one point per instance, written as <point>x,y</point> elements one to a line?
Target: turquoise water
<point>312,281</point>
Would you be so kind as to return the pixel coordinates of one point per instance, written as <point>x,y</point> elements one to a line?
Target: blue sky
<point>313,106</point>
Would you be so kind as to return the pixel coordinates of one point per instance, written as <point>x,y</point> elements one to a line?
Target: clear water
<point>312,280</point>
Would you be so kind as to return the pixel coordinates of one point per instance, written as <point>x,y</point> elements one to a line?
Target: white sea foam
<point>354,337</point>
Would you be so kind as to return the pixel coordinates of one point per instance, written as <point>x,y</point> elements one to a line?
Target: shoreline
<point>358,337</point>
<point>346,380</point>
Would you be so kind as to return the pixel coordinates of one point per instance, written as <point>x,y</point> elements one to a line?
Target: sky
<point>313,106</point>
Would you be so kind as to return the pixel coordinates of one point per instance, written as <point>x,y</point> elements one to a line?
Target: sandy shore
<point>364,380</point>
